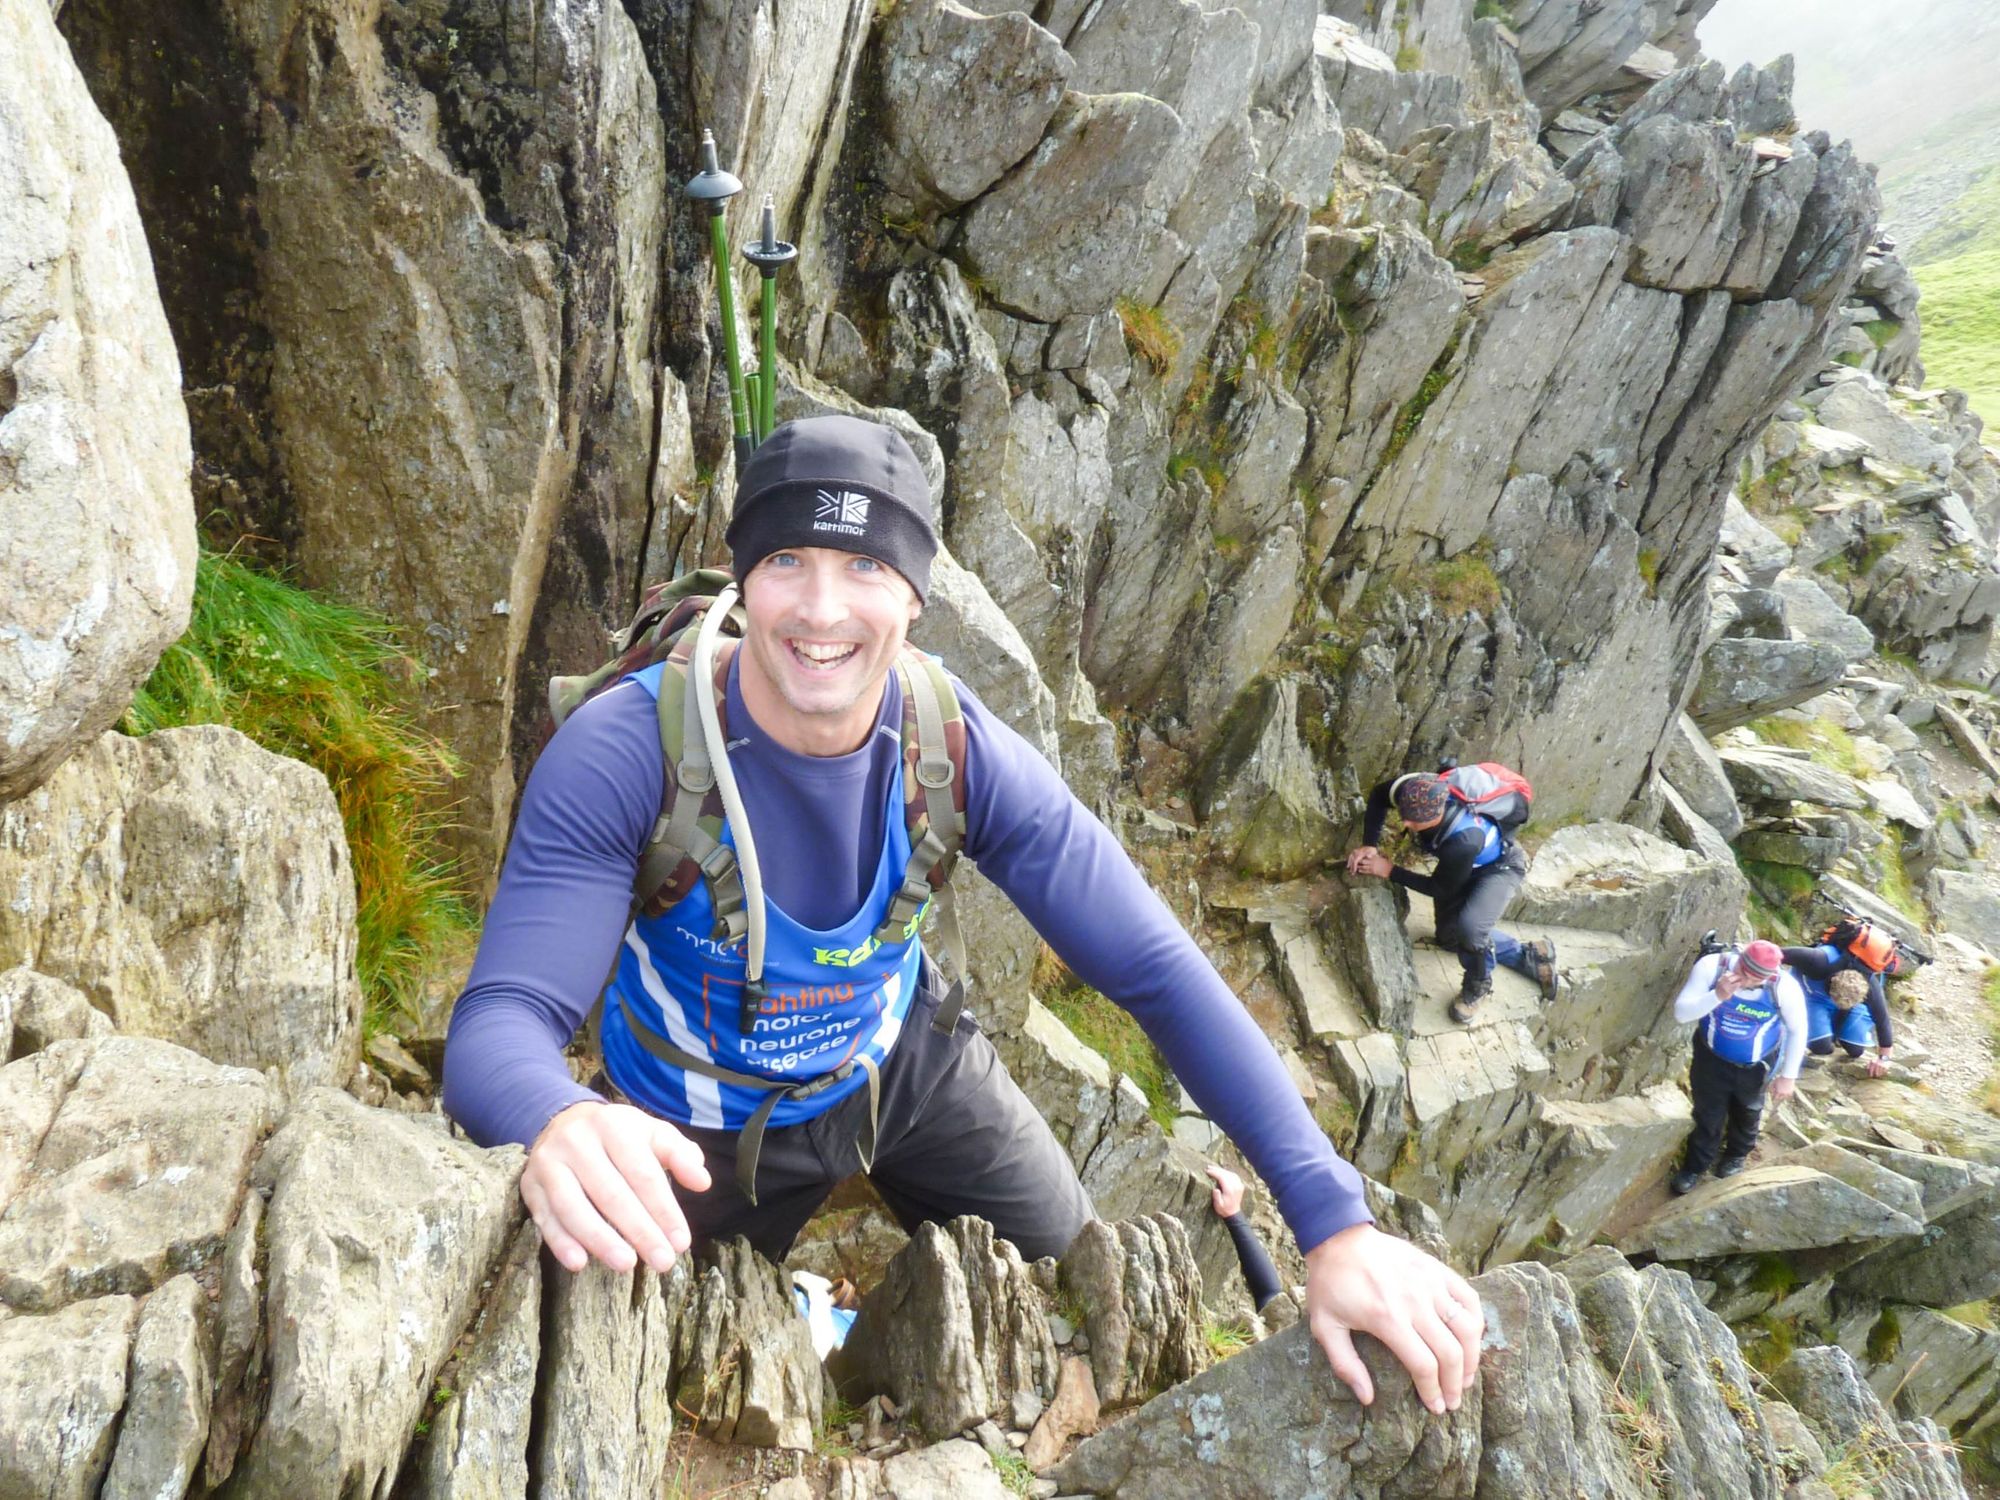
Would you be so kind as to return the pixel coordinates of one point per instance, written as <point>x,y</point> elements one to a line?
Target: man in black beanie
<point>833,539</point>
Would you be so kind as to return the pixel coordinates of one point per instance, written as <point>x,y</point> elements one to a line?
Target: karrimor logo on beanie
<point>840,482</point>
<point>842,512</point>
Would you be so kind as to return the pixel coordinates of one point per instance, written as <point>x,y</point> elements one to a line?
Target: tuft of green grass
<point>1463,584</point>
<point>330,685</point>
<point>1824,740</point>
<point>1108,1030</point>
<point>1224,1339</point>
<point>1015,1474</point>
<point>1774,1275</point>
<point>1409,58</point>
<point>1150,335</point>
<point>1886,1337</point>
<point>1778,894</point>
<point>1649,569</point>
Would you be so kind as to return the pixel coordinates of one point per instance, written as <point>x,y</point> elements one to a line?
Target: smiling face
<point>823,629</point>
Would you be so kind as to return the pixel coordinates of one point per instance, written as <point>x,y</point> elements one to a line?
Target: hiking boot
<point>1541,955</point>
<point>1466,1006</point>
<point>1729,1166</point>
<point>1683,1183</point>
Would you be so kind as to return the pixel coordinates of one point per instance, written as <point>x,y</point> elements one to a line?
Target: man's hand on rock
<point>1227,1196</point>
<point>1369,860</point>
<point>1783,1089</point>
<point>596,1185</point>
<point>1878,1064</point>
<point>1364,1281</point>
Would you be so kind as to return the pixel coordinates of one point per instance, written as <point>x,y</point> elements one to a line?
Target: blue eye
<point>866,565</point>
<point>782,560</point>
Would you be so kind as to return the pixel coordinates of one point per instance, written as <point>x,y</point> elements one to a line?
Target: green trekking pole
<point>715,187</point>
<point>770,256</point>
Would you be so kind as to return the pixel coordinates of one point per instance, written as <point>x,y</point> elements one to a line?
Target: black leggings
<point>1824,1047</point>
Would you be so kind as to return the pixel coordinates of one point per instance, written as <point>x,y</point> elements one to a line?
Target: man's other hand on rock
<point>597,1186</point>
<point>1364,1281</point>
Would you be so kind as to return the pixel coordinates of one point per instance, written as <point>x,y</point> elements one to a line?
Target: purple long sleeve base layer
<point>595,793</point>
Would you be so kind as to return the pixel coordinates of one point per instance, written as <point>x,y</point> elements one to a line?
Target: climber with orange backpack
<point>1465,818</point>
<point>1843,977</point>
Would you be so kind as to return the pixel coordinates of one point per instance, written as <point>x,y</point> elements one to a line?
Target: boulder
<point>956,1326</point>
<point>165,1422</point>
<point>1761,552</point>
<point>63,1382</point>
<point>138,1175</point>
<point>605,1394</point>
<point>36,1011</point>
<point>1966,903</point>
<point>965,97</point>
<point>1812,615</point>
<point>1141,1295</point>
<point>1081,222</point>
<point>1677,1364</point>
<point>1263,792</point>
<point>198,889</point>
<point>1929,1363</point>
<point>1767,1208</point>
<point>1365,925</point>
<point>959,1468</point>
<point>1276,1410</point>
<point>1905,1460</point>
<point>380,1231</point>
<point>478,1441</point>
<point>1612,878</point>
<point>434,377</point>
<point>1861,408</point>
<point>97,539</point>
<point>1956,1260</point>
<point>743,1354</point>
<point>1769,776</point>
<point>1690,763</point>
<point>1743,678</point>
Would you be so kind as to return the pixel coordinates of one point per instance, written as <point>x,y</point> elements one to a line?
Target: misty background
<point>1915,84</point>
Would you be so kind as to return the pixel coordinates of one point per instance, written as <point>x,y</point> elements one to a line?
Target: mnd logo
<point>842,512</point>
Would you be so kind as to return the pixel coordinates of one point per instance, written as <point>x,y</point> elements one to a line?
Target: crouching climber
<point>1464,817</point>
<point>1751,1014</point>
<point>1845,1003</point>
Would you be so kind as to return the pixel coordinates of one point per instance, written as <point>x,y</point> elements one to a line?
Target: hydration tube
<point>703,670</point>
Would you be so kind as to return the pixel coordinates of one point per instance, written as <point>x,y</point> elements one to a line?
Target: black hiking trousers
<point>955,1135</point>
<point>1728,1106</point>
<point>1467,916</point>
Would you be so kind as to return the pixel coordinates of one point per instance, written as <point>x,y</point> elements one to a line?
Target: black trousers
<point>954,1135</point>
<point>1728,1106</point>
<point>1466,918</point>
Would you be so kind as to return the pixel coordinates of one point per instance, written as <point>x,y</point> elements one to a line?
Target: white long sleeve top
<point>1698,997</point>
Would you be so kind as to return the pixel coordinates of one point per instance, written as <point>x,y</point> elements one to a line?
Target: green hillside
<point>1961,297</point>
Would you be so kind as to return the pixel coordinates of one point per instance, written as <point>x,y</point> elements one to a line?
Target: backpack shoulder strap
<point>934,813</point>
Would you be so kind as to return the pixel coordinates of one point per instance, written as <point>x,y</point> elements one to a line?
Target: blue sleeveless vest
<point>1745,1029</point>
<point>831,996</point>
<point>1492,849</point>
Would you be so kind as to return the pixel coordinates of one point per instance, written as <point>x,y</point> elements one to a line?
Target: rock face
<point>379,1232</point>
<point>97,527</point>
<point>422,344</point>
<point>136,1176</point>
<point>195,888</point>
<point>1592,1377</point>
<point>955,1328</point>
<point>1140,1292</point>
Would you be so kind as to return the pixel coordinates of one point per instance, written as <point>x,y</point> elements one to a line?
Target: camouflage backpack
<point>686,841</point>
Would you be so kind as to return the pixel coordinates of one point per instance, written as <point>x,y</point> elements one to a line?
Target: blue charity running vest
<point>1745,1028</point>
<point>1496,841</point>
<point>830,996</point>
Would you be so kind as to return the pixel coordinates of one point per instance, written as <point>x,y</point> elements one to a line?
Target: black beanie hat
<point>835,481</point>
